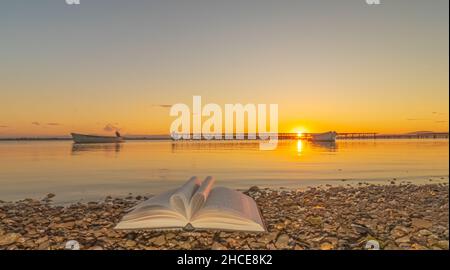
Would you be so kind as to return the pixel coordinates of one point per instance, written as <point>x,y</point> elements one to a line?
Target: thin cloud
<point>163,105</point>
<point>416,119</point>
<point>53,124</point>
<point>3,126</point>
<point>36,123</point>
<point>110,128</point>
<point>442,121</point>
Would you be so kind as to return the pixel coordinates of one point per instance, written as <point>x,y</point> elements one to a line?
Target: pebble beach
<point>396,216</point>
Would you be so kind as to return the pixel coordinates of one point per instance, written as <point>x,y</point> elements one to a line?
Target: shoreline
<point>400,216</point>
<point>286,186</point>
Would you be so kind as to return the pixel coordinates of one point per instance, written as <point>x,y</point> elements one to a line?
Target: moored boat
<point>324,137</point>
<point>83,138</point>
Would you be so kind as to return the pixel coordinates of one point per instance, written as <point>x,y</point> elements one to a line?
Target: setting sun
<point>300,131</point>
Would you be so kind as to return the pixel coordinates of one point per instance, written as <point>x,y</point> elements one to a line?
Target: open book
<point>196,205</point>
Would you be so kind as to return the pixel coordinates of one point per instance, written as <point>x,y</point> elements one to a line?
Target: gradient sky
<point>330,65</point>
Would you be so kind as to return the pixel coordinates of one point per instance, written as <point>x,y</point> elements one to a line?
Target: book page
<point>161,200</point>
<point>229,209</point>
<point>180,199</point>
<point>152,218</point>
<point>200,196</point>
<point>155,212</point>
<point>164,200</point>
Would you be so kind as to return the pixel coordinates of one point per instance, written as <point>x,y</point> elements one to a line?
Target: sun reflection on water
<point>299,147</point>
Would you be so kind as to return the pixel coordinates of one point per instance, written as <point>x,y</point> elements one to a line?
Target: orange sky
<point>340,66</point>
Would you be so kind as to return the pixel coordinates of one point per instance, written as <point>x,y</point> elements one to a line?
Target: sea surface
<point>32,169</point>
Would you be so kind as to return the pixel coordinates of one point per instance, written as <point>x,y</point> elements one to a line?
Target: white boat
<point>324,137</point>
<point>83,138</point>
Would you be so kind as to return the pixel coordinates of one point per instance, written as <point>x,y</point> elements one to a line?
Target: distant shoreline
<point>284,136</point>
<point>70,139</point>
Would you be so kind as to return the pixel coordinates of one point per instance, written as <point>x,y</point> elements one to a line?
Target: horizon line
<point>168,136</point>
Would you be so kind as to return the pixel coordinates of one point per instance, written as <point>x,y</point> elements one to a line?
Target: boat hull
<point>82,138</point>
<point>324,137</point>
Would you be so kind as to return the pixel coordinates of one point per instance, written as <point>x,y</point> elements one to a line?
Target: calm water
<point>90,172</point>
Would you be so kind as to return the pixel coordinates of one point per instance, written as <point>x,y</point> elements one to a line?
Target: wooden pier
<point>354,136</point>
<point>374,135</point>
<point>341,135</point>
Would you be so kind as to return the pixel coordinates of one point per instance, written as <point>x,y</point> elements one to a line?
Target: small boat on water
<point>83,138</point>
<point>323,137</point>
